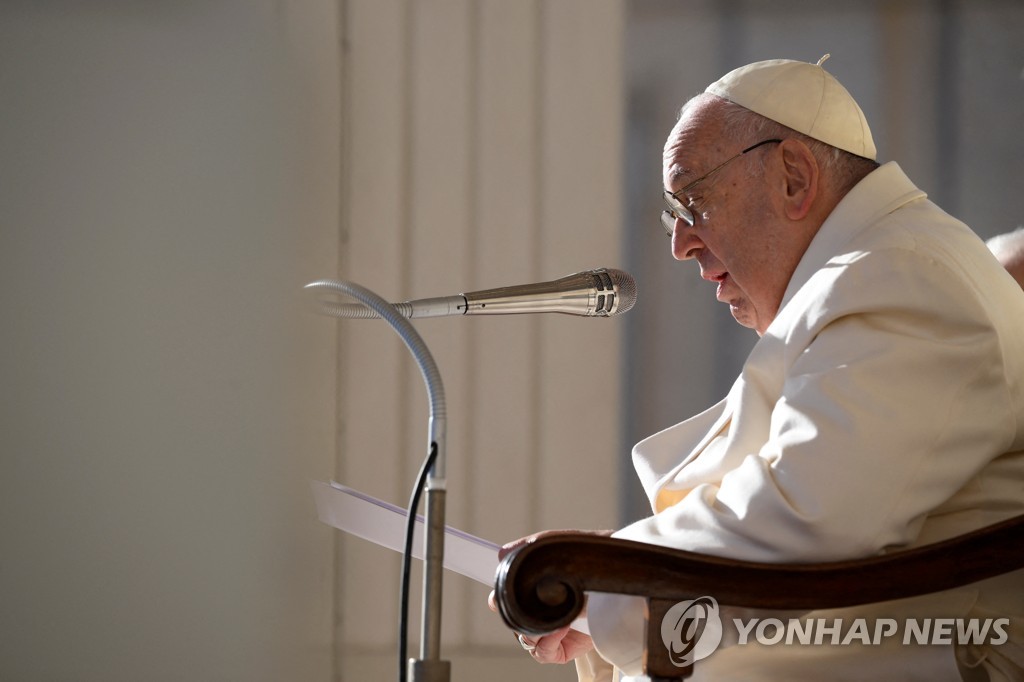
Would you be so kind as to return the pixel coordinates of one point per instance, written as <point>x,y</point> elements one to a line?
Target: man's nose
<point>685,242</point>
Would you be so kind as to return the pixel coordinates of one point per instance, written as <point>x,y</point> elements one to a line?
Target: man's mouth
<point>720,277</point>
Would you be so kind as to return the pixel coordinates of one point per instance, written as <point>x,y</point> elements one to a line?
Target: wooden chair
<point>540,586</point>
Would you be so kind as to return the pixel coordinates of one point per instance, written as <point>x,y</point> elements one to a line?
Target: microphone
<point>594,293</point>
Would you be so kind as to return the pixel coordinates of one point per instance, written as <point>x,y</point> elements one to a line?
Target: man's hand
<point>505,549</point>
<point>562,645</point>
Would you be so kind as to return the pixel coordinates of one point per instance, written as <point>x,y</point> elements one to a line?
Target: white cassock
<point>883,409</point>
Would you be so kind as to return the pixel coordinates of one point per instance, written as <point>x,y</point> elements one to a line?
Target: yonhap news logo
<point>693,630</point>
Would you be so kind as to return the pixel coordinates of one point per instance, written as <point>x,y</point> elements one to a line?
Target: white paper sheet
<point>383,523</point>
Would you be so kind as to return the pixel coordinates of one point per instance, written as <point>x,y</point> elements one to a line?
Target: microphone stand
<point>429,667</point>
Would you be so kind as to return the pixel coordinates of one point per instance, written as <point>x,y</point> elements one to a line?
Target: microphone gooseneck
<point>603,292</point>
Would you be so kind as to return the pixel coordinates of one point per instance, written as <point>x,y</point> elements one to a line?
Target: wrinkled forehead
<point>694,140</point>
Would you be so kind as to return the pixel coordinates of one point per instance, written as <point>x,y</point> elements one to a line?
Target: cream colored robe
<point>875,414</point>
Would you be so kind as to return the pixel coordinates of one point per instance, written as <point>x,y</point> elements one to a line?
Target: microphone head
<point>592,293</point>
<point>623,291</point>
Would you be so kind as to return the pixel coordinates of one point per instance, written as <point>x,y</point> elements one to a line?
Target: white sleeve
<point>593,668</point>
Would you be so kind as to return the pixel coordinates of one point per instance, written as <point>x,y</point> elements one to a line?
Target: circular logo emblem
<point>692,630</point>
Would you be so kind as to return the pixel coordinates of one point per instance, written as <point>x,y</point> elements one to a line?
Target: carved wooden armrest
<point>540,586</point>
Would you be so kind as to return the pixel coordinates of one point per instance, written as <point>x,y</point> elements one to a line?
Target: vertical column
<point>475,128</point>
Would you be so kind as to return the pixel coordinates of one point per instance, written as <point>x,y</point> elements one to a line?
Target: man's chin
<point>743,314</point>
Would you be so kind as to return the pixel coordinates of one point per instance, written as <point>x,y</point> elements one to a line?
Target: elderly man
<point>1009,250</point>
<point>881,409</point>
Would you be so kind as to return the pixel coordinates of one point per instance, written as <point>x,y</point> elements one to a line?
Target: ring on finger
<point>526,645</point>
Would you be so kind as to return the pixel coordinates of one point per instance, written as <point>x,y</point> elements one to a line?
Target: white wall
<point>168,181</point>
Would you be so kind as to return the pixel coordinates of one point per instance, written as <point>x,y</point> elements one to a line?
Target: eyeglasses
<point>678,210</point>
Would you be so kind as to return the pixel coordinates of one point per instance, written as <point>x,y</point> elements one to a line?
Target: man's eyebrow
<point>678,172</point>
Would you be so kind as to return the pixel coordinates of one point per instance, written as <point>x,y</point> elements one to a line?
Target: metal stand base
<point>429,671</point>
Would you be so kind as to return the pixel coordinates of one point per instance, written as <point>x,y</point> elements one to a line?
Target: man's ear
<point>801,175</point>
